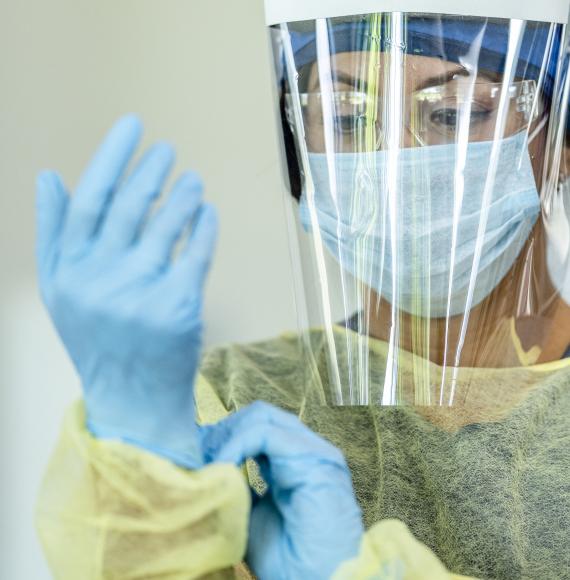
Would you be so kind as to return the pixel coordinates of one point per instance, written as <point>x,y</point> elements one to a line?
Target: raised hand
<point>129,315</point>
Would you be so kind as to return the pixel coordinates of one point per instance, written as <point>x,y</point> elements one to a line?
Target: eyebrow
<point>433,81</point>
<point>442,79</point>
<point>345,79</point>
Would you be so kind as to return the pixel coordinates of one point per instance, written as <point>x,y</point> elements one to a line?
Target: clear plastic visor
<point>426,202</point>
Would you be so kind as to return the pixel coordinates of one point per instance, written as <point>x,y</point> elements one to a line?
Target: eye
<point>345,124</point>
<point>350,124</point>
<point>448,118</point>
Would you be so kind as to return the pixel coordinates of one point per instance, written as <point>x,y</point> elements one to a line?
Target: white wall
<point>198,73</point>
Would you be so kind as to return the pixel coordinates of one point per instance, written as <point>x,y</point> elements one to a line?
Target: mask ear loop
<point>538,129</point>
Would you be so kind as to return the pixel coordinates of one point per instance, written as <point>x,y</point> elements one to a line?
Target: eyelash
<point>475,116</point>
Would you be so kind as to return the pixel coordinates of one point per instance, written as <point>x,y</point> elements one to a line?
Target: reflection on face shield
<point>558,241</point>
<point>422,153</point>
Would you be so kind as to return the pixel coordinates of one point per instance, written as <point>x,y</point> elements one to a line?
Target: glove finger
<point>261,413</point>
<point>88,205</point>
<point>262,430</point>
<point>294,461</point>
<point>265,530</point>
<point>51,207</point>
<point>277,443</point>
<point>217,435</point>
<point>134,199</point>
<point>194,263</point>
<point>167,226</point>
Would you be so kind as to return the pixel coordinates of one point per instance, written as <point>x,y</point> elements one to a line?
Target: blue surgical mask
<point>409,225</point>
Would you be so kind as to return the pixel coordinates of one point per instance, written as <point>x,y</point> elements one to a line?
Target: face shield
<point>429,231</point>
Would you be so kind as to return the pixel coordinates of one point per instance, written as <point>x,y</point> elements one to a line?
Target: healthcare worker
<point>430,231</point>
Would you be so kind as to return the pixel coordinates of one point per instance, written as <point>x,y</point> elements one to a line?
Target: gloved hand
<point>129,315</point>
<point>308,522</point>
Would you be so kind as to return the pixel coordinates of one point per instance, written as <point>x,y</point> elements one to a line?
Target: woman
<point>423,154</point>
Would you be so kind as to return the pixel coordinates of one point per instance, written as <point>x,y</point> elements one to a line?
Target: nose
<point>407,139</point>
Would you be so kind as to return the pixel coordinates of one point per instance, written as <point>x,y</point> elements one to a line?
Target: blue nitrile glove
<point>308,522</point>
<point>129,315</point>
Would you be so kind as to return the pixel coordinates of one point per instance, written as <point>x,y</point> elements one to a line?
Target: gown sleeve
<point>390,551</point>
<point>107,510</point>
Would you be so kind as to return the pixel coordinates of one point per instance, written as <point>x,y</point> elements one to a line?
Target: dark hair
<point>291,153</point>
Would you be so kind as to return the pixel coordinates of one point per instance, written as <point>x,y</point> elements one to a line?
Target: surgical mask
<point>557,229</point>
<point>409,226</point>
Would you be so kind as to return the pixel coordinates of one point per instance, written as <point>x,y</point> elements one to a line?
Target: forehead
<point>363,65</point>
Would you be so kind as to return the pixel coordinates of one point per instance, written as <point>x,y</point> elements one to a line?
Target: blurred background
<point>199,75</point>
